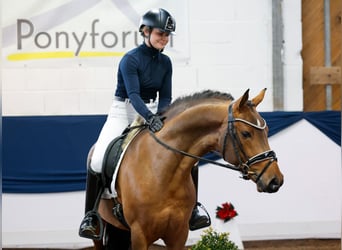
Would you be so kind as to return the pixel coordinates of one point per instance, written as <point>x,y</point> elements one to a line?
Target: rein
<point>228,165</point>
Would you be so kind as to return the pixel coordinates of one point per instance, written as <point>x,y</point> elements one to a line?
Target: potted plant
<point>213,240</point>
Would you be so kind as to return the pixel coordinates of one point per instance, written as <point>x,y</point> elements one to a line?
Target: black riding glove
<point>155,123</point>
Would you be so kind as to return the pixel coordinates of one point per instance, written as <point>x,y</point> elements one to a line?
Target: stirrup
<point>202,220</point>
<point>87,231</point>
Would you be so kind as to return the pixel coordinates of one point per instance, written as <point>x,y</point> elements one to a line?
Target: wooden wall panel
<point>313,51</point>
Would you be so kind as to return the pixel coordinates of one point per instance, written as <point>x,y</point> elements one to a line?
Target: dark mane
<point>184,102</point>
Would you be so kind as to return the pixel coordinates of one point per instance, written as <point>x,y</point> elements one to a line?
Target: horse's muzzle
<point>272,186</point>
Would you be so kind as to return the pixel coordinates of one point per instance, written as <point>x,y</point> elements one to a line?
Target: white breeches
<point>120,115</point>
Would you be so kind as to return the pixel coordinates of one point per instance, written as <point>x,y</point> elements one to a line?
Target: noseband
<point>238,148</point>
<point>243,167</point>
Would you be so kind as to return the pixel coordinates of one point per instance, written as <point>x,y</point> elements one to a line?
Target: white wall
<point>230,49</point>
<point>308,205</point>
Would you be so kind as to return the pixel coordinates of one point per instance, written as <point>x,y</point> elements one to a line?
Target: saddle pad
<point>127,140</point>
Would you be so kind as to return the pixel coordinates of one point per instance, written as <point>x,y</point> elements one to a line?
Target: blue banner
<point>43,154</point>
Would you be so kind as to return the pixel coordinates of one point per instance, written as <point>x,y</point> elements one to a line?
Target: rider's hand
<point>155,123</point>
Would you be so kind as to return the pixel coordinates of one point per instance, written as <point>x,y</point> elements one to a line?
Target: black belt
<point>127,100</point>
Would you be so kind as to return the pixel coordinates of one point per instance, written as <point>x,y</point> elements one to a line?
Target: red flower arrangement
<point>226,212</point>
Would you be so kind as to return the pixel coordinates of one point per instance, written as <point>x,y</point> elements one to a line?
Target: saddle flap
<point>111,159</point>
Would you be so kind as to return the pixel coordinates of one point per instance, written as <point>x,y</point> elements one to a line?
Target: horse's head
<point>248,148</point>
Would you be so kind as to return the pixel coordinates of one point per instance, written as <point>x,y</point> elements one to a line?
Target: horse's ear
<point>256,100</point>
<point>244,99</point>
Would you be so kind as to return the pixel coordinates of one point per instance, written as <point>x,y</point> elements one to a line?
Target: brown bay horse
<point>154,183</point>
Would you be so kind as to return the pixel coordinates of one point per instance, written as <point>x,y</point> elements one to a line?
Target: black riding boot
<point>91,226</point>
<point>197,221</point>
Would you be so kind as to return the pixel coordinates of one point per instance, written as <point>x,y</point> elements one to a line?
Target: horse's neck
<point>196,129</point>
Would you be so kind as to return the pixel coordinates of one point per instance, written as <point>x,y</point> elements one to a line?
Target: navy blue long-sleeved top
<point>144,72</point>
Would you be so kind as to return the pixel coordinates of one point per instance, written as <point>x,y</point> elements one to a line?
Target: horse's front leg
<point>177,241</point>
<point>138,240</point>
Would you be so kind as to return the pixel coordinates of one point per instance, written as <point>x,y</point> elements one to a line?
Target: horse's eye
<point>246,134</point>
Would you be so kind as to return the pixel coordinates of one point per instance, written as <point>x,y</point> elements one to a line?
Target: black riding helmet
<point>160,19</point>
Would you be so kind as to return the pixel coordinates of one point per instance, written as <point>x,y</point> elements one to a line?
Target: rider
<point>143,72</point>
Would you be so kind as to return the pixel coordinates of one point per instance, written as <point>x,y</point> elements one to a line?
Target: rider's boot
<point>197,221</point>
<point>91,226</point>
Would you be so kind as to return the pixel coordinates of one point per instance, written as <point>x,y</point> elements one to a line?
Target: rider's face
<point>158,39</point>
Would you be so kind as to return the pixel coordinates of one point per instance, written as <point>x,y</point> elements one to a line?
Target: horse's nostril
<point>274,181</point>
<point>273,185</point>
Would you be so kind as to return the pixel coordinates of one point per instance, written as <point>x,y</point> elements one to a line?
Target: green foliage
<point>213,240</point>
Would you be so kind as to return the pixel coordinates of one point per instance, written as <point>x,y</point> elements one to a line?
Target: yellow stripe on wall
<point>39,55</point>
<point>60,54</point>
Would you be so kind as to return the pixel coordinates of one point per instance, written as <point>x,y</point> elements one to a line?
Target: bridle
<point>237,145</point>
<point>242,167</point>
